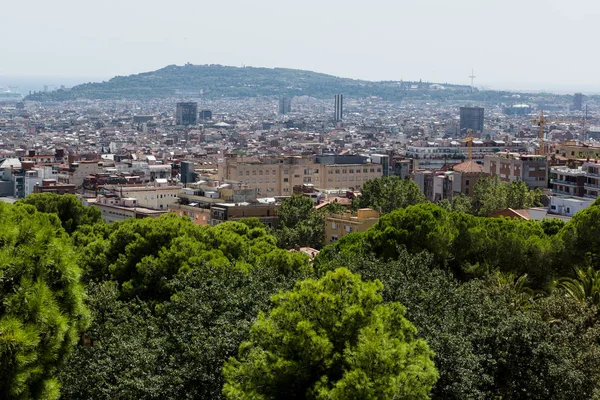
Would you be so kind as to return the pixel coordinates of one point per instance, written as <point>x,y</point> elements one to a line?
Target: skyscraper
<point>339,107</point>
<point>285,105</point>
<point>471,118</point>
<point>186,113</point>
<point>577,101</point>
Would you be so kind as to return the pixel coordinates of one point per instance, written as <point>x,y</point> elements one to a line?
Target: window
<point>333,225</point>
<point>334,238</point>
<point>337,171</point>
<point>365,170</point>
<point>378,169</point>
<point>351,171</point>
<point>296,176</point>
<point>372,169</point>
<point>467,182</point>
<point>285,179</point>
<point>344,171</point>
<point>348,228</point>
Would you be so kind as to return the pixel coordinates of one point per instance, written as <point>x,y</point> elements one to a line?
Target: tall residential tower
<point>339,107</point>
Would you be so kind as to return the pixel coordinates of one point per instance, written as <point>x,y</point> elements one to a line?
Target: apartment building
<point>340,225</point>
<point>199,216</point>
<point>264,211</point>
<point>277,176</point>
<point>568,181</point>
<point>531,169</point>
<point>114,208</point>
<point>466,176</point>
<point>575,150</point>
<point>76,172</point>
<point>591,186</point>
<point>155,196</point>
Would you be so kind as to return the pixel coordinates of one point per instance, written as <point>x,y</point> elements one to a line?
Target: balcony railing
<point>562,182</point>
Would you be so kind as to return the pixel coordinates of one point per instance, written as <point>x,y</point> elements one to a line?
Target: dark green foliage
<point>552,226</point>
<point>224,81</point>
<point>41,302</point>
<point>470,246</point>
<point>334,208</point>
<point>388,194</point>
<point>178,350</point>
<point>580,237</point>
<point>331,339</point>
<point>488,342</point>
<point>142,255</point>
<point>70,211</point>
<point>300,225</point>
<point>491,195</point>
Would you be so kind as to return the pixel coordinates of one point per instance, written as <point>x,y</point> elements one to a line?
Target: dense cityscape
<point>400,240</point>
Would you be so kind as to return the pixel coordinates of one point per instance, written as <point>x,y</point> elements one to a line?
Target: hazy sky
<point>520,44</point>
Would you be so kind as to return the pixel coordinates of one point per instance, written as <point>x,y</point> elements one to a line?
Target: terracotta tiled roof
<point>468,166</point>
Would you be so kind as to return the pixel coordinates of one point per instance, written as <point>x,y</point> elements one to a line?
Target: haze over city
<point>534,45</point>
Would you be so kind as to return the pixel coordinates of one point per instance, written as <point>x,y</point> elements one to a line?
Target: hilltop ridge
<point>217,81</point>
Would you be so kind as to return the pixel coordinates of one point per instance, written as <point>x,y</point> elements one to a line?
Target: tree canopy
<point>68,208</point>
<point>388,194</point>
<point>41,302</point>
<point>332,339</point>
<point>300,224</point>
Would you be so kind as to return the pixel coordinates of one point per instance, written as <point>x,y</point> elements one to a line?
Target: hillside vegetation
<point>217,81</point>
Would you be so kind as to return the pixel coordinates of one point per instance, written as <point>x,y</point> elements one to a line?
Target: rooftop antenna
<point>472,76</point>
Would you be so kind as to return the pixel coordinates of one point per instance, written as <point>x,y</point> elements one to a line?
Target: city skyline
<point>538,45</point>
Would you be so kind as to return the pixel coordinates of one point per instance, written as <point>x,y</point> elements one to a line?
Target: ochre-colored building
<point>340,225</point>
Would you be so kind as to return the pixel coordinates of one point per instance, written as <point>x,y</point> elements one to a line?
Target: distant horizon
<point>36,82</point>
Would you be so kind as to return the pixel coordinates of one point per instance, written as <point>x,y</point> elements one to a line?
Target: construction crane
<point>542,121</point>
<point>469,139</point>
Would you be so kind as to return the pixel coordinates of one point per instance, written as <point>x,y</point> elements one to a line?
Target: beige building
<point>340,225</point>
<point>76,172</point>
<point>157,196</point>
<point>531,169</point>
<point>466,175</point>
<point>277,176</point>
<point>199,216</point>
<point>575,150</point>
<point>114,209</point>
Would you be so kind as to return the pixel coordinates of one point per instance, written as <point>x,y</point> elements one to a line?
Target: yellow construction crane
<point>542,121</point>
<point>469,139</point>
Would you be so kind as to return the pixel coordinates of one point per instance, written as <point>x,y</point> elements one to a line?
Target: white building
<point>568,205</point>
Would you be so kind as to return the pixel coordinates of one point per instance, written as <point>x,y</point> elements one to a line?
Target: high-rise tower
<point>339,107</point>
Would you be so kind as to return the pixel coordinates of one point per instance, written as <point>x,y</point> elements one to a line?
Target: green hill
<point>217,81</point>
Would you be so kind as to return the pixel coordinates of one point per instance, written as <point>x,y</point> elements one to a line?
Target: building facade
<point>338,112</point>
<point>186,113</point>
<point>531,169</point>
<point>340,225</point>
<point>471,118</point>
<point>285,105</point>
<point>277,176</point>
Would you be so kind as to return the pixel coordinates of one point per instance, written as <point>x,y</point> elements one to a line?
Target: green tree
<point>389,193</point>
<point>334,208</point>
<point>332,339</point>
<point>41,302</point>
<point>580,237</point>
<point>175,349</point>
<point>300,224</point>
<point>70,211</point>
<point>490,338</point>
<point>584,288</point>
